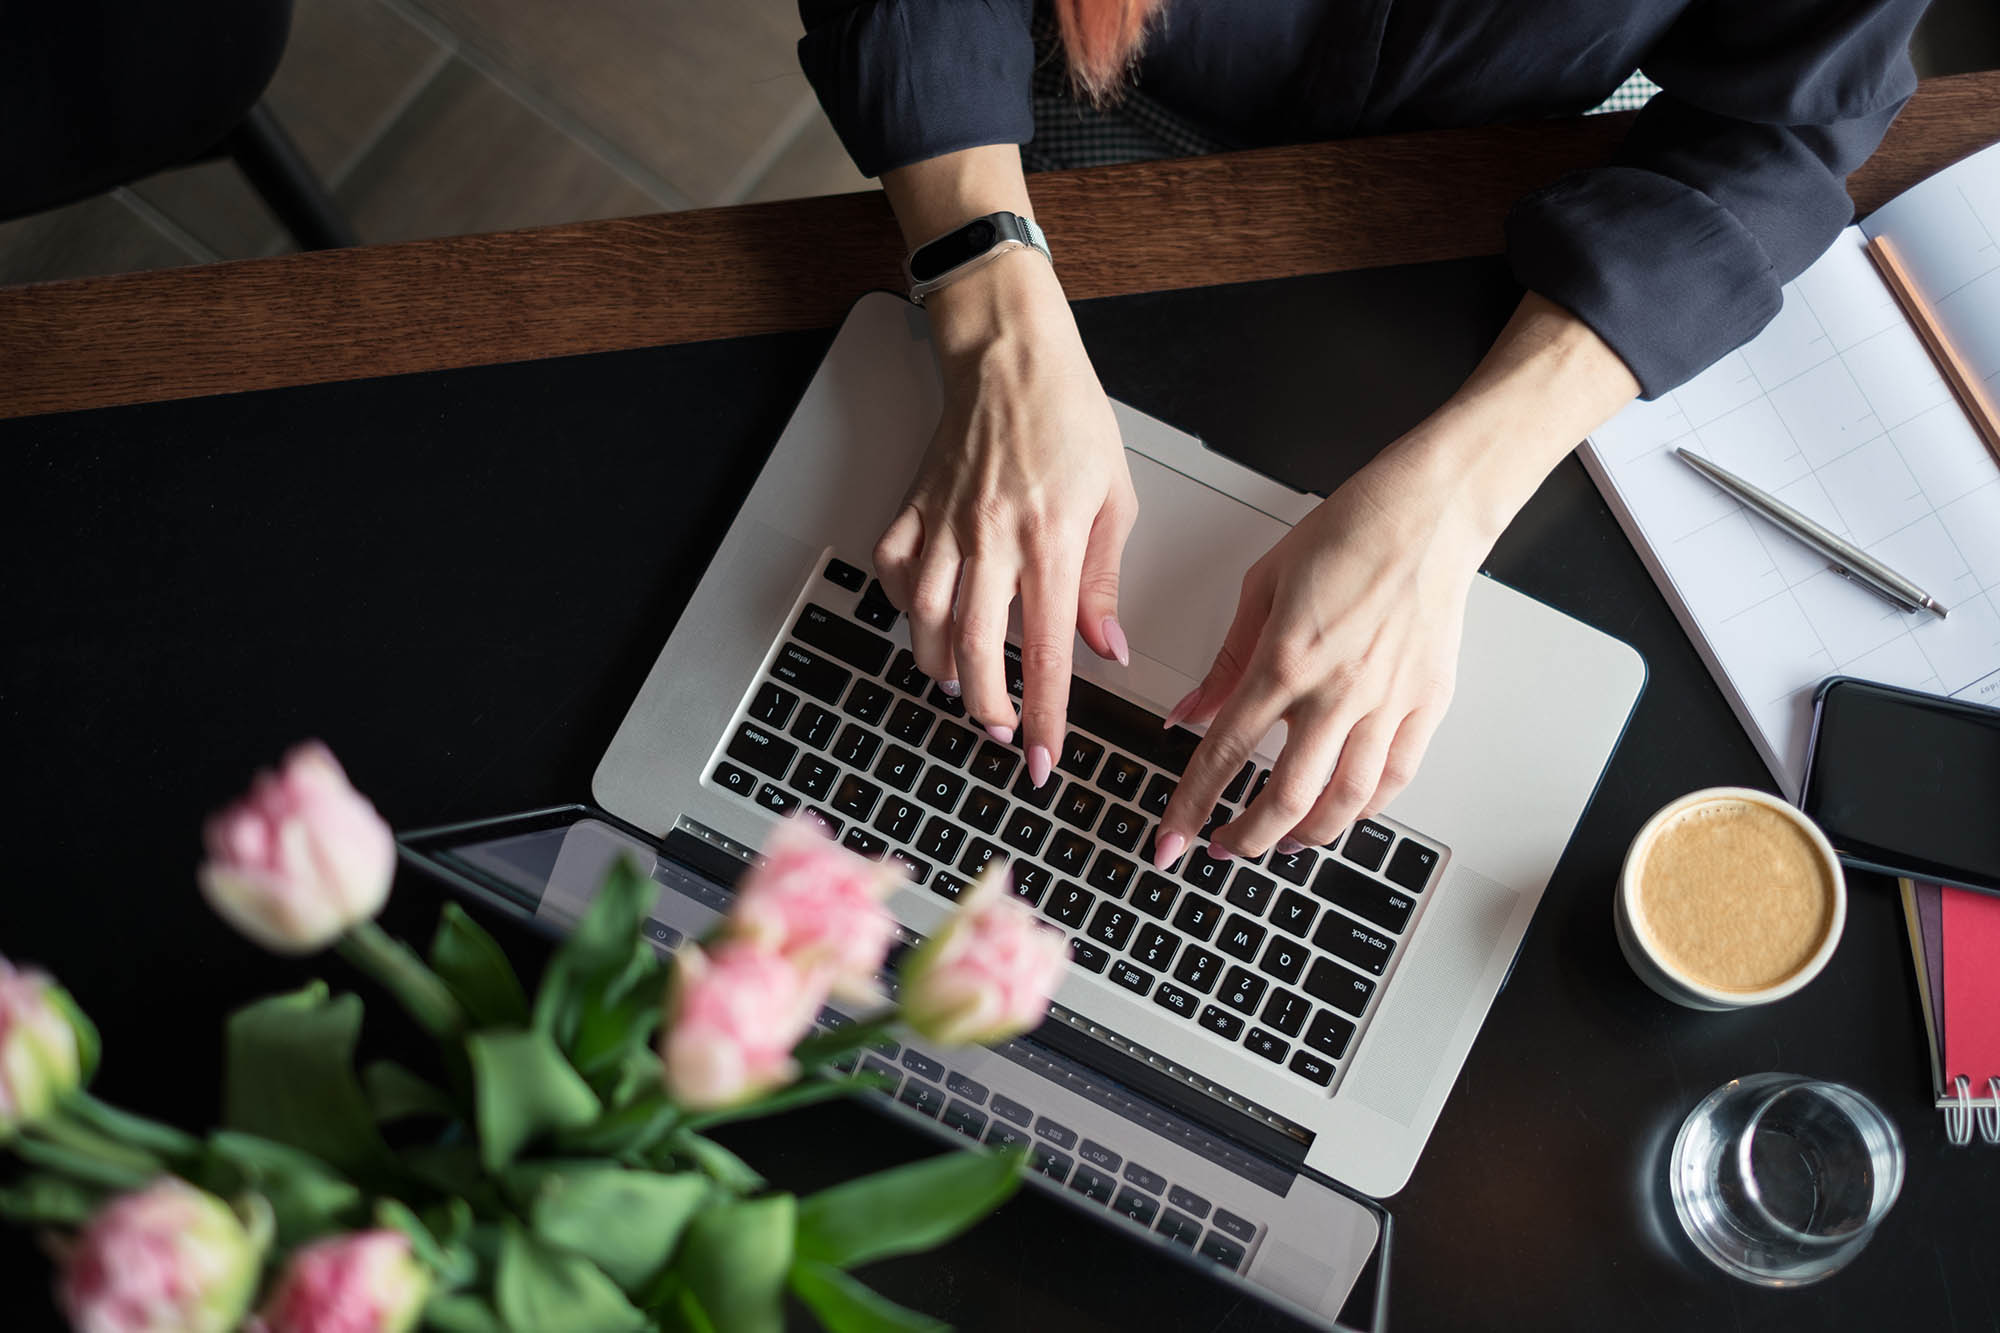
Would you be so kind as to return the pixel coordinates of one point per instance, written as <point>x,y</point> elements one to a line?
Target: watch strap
<point>979,242</point>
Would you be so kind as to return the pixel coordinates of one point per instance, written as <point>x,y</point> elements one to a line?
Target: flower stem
<point>65,1132</point>
<point>404,975</point>
<point>831,1045</point>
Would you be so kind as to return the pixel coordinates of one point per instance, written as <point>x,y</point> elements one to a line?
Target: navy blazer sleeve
<point>906,80</point>
<point>1732,182</point>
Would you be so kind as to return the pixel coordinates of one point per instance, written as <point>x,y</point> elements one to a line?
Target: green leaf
<point>476,968</point>
<point>715,1161</point>
<point>449,1267</point>
<point>395,965</point>
<point>846,1305</point>
<point>596,952</point>
<point>819,1047</point>
<point>134,1131</point>
<point>524,1087</point>
<point>45,1201</point>
<point>394,1093</point>
<point>735,1259</point>
<point>307,1197</point>
<point>628,1222</point>
<point>804,1093</point>
<point>542,1289</point>
<point>630,1129</point>
<point>291,1079</point>
<point>904,1209</point>
<point>461,1313</point>
<point>85,1166</point>
<point>622,1019</point>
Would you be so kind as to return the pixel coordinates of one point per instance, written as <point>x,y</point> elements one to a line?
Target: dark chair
<point>95,94</point>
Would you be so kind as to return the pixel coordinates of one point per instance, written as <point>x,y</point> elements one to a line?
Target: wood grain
<point>713,273</point>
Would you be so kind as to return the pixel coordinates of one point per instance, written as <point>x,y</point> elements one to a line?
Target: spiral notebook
<point>1955,943</point>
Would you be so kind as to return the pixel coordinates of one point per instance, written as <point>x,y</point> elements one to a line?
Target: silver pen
<point>1849,560</point>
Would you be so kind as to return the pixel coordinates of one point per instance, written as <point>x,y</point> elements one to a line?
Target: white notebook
<point>1836,409</point>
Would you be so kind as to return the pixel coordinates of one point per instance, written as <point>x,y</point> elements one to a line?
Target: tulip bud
<point>988,974</point>
<point>301,858</point>
<point>820,907</point>
<point>167,1259</point>
<point>368,1282</point>
<point>731,1020</point>
<point>40,1057</point>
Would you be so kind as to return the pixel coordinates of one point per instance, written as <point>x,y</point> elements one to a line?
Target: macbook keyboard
<point>1283,955</point>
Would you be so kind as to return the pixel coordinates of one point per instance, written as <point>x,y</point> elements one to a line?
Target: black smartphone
<point>1906,783</point>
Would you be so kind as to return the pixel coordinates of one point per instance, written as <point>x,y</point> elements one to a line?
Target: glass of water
<point>1780,1180</point>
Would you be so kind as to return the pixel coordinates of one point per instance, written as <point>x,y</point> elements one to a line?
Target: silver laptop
<point>1322,1002</point>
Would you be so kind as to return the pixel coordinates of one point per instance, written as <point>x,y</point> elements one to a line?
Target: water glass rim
<point>1864,1112</point>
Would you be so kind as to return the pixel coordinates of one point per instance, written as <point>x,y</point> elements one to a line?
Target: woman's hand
<point>1024,490</point>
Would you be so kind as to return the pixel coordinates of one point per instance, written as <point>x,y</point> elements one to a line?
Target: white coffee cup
<point>1651,962</point>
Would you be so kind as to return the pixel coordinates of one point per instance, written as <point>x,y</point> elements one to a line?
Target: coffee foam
<point>1734,895</point>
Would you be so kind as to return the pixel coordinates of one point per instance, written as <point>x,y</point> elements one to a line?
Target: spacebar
<point>1129,727</point>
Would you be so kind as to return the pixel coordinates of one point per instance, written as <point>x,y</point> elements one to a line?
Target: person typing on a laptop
<point>1638,275</point>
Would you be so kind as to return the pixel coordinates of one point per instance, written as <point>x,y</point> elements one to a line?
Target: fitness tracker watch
<point>979,242</point>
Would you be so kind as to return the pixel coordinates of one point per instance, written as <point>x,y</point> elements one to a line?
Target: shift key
<point>862,649</point>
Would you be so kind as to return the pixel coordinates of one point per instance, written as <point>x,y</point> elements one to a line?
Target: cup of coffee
<point>1729,897</point>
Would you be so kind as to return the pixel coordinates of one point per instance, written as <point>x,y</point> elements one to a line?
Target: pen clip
<point>1907,606</point>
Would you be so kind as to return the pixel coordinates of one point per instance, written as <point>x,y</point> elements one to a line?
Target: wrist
<point>1014,299</point>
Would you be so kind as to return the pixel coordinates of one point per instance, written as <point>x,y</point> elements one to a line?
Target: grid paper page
<point>1836,409</point>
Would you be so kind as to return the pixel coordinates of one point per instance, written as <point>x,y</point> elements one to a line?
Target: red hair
<point>1102,39</point>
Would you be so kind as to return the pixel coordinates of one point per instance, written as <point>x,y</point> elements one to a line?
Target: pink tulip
<point>988,974</point>
<point>300,859</point>
<point>819,906</point>
<point>168,1259</point>
<point>363,1283</point>
<point>732,1018</point>
<point>40,1061</point>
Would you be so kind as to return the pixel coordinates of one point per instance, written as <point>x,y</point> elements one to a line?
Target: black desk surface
<point>459,579</point>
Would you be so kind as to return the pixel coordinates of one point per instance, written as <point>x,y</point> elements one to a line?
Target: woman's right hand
<point>1024,490</point>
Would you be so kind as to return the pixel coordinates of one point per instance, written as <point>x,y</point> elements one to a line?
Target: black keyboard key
<point>1155,947</point>
<point>1286,1012</point>
<point>1339,986</point>
<point>1010,664</point>
<point>948,704</point>
<point>1316,1068</point>
<point>1155,894</point>
<point>777,800</point>
<point>1170,996</point>
<point>1099,1156</point>
<point>940,788</point>
<point>1217,817</point>
<point>1047,1161</point>
<point>1150,846</point>
<point>899,818</point>
<point>1348,939</point>
<point>1294,913</point>
<point>1070,904</point>
<point>1242,988</point>
<point>971,1089</point>
<point>947,885</point>
<point>887,1073</point>
<point>951,743</point>
<point>1031,882</point>
<point>1158,792</point>
<point>1235,1226</point>
<point>815,726</point>
<point>909,722</point>
<point>1222,1250</point>
<point>1041,797</point>
<point>918,1063</point>
<point>1068,852</point>
<point>941,840</point>
<point>1179,1228</point>
<point>1205,872</point>
<point>979,855</point>
<point>983,810</point>
<point>898,767</point>
<point>1240,937</point>
<point>1250,890</point>
<point>1122,828</point>
<point>1221,1022</point>
<point>964,1119</point>
<point>1080,755</point>
<point>876,609</point>
<point>856,748</point>
<point>913,870</point>
<point>993,763</point>
<point>1112,925</point>
<point>867,702</point>
<point>809,672</point>
<point>1024,831</point>
<point>1141,1208</point>
<point>761,750</point>
<point>1188,1202</point>
<point>1239,784</point>
<point>1079,806</point>
<point>773,706</point>
<point>1150,1181</point>
<point>1131,978</point>
<point>1369,899</point>
<point>1087,955</point>
<point>1296,867</point>
<point>1093,1185</point>
<point>860,841</point>
<point>855,797</point>
<point>733,779</point>
<point>1110,874</point>
<point>1367,843</point>
<point>1412,865</point>
<point>1001,1137</point>
<point>844,575</point>
<point>1121,777</point>
<point>1198,968</point>
<point>905,675</point>
<point>829,827</point>
<point>1130,727</point>
<point>1061,1135</point>
<point>1198,915</point>
<point>1009,1109</point>
<point>1329,1034</point>
<point>1284,958</point>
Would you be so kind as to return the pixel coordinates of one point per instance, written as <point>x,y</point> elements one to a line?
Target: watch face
<point>948,252</point>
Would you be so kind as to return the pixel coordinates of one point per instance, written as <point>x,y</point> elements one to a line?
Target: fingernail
<point>1039,765</point>
<point>1219,852</point>
<point>1168,850</point>
<point>1005,735</point>
<point>1183,708</point>
<point>1290,846</point>
<point>1115,636</point>
<point>950,687</point>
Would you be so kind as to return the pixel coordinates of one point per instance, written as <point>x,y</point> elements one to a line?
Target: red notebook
<point>1955,941</point>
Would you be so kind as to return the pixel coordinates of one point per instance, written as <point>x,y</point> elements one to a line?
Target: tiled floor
<point>439,117</point>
